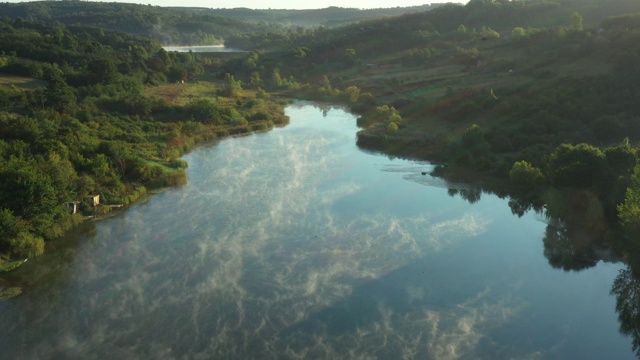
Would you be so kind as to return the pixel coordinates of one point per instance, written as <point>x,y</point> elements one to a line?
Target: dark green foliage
<point>10,227</point>
<point>177,74</point>
<point>621,160</point>
<point>28,193</point>
<point>629,210</point>
<point>163,24</point>
<point>526,175</point>
<point>578,166</point>
<point>58,95</point>
<point>26,245</point>
<point>102,71</point>
<point>473,150</point>
<point>206,111</point>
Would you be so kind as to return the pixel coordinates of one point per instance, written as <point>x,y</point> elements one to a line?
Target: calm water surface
<point>294,244</point>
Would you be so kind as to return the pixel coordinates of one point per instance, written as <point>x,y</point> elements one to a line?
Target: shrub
<point>26,245</point>
<point>525,175</point>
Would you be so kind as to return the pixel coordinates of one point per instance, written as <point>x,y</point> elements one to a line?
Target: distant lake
<point>296,244</point>
<point>203,48</point>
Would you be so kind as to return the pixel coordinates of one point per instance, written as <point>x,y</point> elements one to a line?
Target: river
<point>295,244</point>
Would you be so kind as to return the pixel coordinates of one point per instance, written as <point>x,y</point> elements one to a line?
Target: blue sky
<point>286,4</point>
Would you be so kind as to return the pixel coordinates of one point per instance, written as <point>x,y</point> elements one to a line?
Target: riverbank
<point>148,157</point>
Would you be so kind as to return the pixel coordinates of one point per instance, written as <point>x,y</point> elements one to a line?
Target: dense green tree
<point>58,95</point>
<point>139,105</point>
<point>177,74</point>
<point>576,21</point>
<point>392,128</point>
<point>10,227</point>
<point>473,150</point>
<point>231,87</point>
<point>276,78</point>
<point>251,61</point>
<point>350,56</point>
<point>300,52</point>
<point>256,79</point>
<point>205,110</point>
<point>629,210</point>
<point>102,71</point>
<point>577,166</point>
<point>351,94</point>
<point>621,159</point>
<point>62,174</point>
<point>26,245</point>
<point>28,194</point>
<point>526,175</point>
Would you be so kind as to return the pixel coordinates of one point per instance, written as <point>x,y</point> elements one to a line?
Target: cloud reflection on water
<point>287,268</point>
<point>263,255</point>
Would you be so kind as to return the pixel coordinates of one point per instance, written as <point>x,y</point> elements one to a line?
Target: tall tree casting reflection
<point>574,240</point>
<point>567,252</point>
<point>626,288</point>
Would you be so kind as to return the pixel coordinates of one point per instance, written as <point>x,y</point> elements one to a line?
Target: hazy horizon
<point>279,4</point>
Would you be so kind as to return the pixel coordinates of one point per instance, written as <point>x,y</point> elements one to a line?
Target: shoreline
<point>12,264</point>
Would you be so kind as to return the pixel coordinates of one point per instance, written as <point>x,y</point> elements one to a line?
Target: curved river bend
<point>295,244</point>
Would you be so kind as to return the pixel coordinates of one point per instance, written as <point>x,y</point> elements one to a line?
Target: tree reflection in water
<point>566,251</point>
<point>577,227</point>
<point>626,288</point>
<point>574,240</point>
<point>471,194</point>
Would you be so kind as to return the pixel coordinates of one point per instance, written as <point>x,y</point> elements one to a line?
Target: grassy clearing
<point>183,93</point>
<point>22,82</point>
<point>171,93</point>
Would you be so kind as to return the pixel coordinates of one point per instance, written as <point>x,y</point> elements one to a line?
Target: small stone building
<point>73,207</point>
<point>94,200</point>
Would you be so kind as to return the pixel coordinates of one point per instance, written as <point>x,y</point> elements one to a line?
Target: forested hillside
<point>191,26</point>
<point>162,24</point>
<point>87,117</point>
<point>328,17</point>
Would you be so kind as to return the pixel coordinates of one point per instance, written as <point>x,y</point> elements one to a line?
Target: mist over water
<point>201,48</point>
<point>294,244</point>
